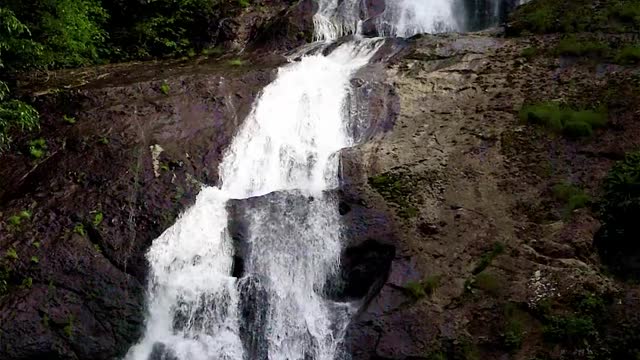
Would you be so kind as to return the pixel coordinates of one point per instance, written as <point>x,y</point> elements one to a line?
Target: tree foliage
<point>15,115</point>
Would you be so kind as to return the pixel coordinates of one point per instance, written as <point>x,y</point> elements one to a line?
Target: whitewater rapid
<point>288,144</point>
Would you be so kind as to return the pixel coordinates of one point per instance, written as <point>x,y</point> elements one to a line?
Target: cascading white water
<point>287,144</point>
<point>409,17</point>
<point>404,18</point>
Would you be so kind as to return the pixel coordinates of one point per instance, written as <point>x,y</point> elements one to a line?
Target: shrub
<point>569,329</point>
<point>488,282</point>
<point>571,46</point>
<point>72,33</point>
<point>552,16</point>
<point>431,283</point>
<point>573,197</point>
<point>562,119</point>
<point>513,331</point>
<point>16,47</point>
<point>529,52</point>
<point>628,55</point>
<point>487,258</point>
<point>415,290</point>
<point>618,240</point>
<point>15,116</point>
<point>419,289</point>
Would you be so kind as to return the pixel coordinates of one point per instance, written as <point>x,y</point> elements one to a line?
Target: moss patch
<point>563,119</point>
<point>396,188</point>
<point>551,16</point>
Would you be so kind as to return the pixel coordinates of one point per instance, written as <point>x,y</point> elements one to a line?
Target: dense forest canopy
<point>70,33</point>
<point>53,34</point>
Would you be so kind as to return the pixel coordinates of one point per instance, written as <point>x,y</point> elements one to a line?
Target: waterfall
<point>286,149</point>
<point>404,18</point>
<point>287,143</point>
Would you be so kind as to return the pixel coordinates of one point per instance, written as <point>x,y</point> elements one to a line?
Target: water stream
<point>196,309</point>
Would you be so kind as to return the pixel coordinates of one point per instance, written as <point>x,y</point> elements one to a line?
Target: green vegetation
<point>68,329</point>
<point>572,196</point>
<point>562,119</point>
<point>513,328</point>
<point>15,221</point>
<point>71,33</point>
<point>97,218</point>
<point>236,62</point>
<point>11,254</point>
<point>570,329</point>
<point>415,290</point>
<point>487,282</point>
<point>487,258</point>
<point>572,46</point>
<point>164,88</point>
<point>15,116</point>
<point>79,229</point>
<point>618,239</point>
<point>396,188</point>
<point>529,52</point>
<point>35,260</point>
<point>27,282</point>
<point>628,55</point>
<point>419,289</point>
<point>37,148</point>
<point>551,16</point>
<point>52,34</point>
<point>69,119</point>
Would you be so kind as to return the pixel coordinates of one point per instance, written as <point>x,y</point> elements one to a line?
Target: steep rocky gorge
<point>444,172</point>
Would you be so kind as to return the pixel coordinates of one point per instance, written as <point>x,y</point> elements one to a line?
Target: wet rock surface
<point>443,171</point>
<point>109,184</point>
<point>462,174</point>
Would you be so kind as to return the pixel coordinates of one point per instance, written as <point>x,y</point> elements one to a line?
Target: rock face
<point>453,229</point>
<point>108,185</point>
<point>468,184</point>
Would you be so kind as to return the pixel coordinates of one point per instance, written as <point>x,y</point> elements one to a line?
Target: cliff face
<point>460,246</point>
<point>490,261</point>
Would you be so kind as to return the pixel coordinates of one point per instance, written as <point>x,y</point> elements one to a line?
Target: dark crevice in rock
<point>364,269</point>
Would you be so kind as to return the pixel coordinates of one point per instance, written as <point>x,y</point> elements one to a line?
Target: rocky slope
<point>459,248</point>
<point>487,259</point>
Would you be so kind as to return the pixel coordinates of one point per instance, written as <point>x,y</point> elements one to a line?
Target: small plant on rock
<point>487,258</point>
<point>69,119</point>
<point>11,254</point>
<point>415,290</point>
<point>37,148</point>
<point>97,218</point>
<point>573,196</point>
<point>79,229</point>
<point>164,88</point>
